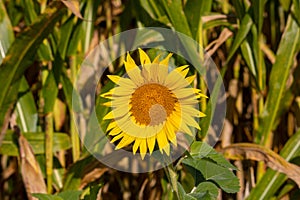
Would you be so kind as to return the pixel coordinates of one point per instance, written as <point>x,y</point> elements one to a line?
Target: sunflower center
<point>152,103</point>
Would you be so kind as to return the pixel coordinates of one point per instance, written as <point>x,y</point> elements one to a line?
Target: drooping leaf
<point>278,78</point>
<point>241,151</point>
<point>272,180</point>
<point>36,141</point>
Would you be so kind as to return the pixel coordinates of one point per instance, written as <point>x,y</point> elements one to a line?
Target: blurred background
<point>255,45</point>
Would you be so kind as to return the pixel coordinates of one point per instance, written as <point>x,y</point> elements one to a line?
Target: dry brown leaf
<point>242,151</point>
<point>31,171</point>
<point>92,176</point>
<point>73,5</point>
<point>214,45</point>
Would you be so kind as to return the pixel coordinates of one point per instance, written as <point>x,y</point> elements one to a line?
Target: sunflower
<point>151,105</point>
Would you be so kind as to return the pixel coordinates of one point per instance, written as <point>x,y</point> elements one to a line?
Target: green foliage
<point>207,165</point>
<point>42,46</point>
<point>68,195</point>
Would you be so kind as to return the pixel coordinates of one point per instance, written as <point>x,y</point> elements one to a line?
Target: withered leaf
<point>31,171</point>
<point>242,151</point>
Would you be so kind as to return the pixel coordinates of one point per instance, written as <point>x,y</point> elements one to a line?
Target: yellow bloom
<point>151,105</point>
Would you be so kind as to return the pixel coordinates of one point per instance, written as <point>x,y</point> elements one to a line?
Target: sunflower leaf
<point>210,171</point>
<point>203,150</point>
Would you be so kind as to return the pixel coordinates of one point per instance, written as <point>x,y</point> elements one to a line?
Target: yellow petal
<point>144,57</point>
<point>111,125</point>
<point>190,79</point>
<point>156,59</point>
<point>171,134</point>
<point>126,140</point>
<point>166,60</point>
<point>143,148</point>
<point>151,144</point>
<point>162,73</point>
<point>118,112</point>
<point>129,63</point>
<point>108,94</point>
<point>124,82</point>
<point>114,78</point>
<point>183,70</point>
<point>188,101</point>
<point>115,131</point>
<point>175,119</point>
<point>184,93</point>
<point>117,137</point>
<point>107,104</point>
<point>167,149</point>
<point>190,121</point>
<point>184,128</point>
<point>161,140</point>
<point>136,145</point>
<point>191,111</point>
<point>122,91</point>
<point>133,71</point>
<point>175,79</point>
<point>109,115</point>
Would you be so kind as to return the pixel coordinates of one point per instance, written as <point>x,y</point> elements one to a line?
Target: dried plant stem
<point>49,150</point>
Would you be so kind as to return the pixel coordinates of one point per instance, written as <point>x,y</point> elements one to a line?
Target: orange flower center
<point>152,103</point>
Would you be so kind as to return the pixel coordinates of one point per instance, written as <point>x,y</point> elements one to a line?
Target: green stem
<point>74,134</point>
<point>49,150</point>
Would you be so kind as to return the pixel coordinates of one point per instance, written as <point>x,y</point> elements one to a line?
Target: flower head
<point>151,105</point>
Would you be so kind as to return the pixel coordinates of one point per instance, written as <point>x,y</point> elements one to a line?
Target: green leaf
<point>37,142</point>
<point>285,4</point>
<point>205,190</point>
<point>73,99</point>
<point>50,89</point>
<point>278,78</point>
<point>46,196</point>
<point>7,34</point>
<point>93,192</point>
<point>241,34</point>
<point>31,15</point>
<point>65,34</point>
<point>272,180</point>
<point>203,150</point>
<point>194,10</point>
<point>15,64</point>
<point>296,11</point>
<point>223,177</point>
<point>258,12</point>
<point>75,39</point>
<point>217,23</point>
<point>239,8</point>
<point>248,57</point>
<point>155,11</point>
<point>67,195</point>
<point>27,115</point>
<point>212,103</point>
<point>70,195</point>
<point>176,15</point>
